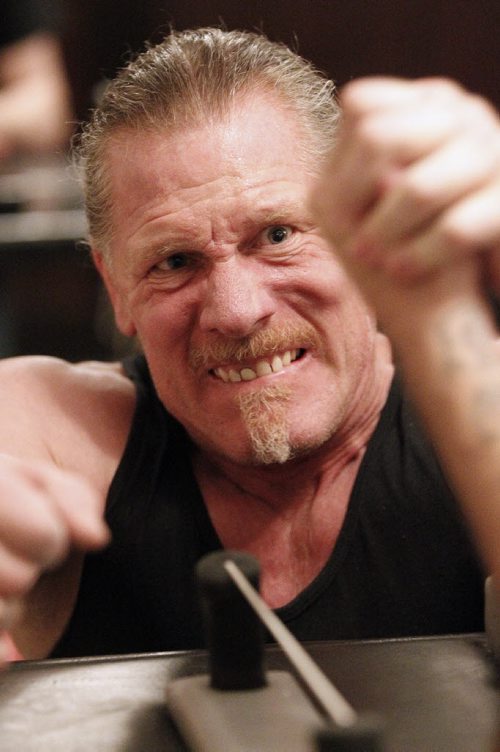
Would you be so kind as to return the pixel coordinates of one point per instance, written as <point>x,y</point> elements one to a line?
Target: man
<point>266,418</point>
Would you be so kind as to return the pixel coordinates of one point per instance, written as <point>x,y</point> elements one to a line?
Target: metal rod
<point>328,697</point>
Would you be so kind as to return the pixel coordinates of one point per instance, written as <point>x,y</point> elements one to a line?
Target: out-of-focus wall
<point>347,38</point>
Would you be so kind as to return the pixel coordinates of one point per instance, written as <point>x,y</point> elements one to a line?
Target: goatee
<point>264,413</point>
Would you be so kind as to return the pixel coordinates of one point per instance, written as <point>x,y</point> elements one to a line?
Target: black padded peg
<point>234,633</point>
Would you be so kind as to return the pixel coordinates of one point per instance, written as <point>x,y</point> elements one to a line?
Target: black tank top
<point>403,564</point>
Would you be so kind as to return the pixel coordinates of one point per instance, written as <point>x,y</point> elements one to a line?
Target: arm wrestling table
<point>436,694</point>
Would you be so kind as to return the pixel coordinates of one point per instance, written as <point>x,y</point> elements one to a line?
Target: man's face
<point>255,339</point>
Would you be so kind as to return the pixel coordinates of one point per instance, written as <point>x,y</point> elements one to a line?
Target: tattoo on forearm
<point>468,356</point>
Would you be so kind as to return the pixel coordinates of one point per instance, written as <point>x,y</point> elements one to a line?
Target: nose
<point>237,301</point>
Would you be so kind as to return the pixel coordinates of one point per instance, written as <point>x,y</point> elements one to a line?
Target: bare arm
<point>410,202</point>
<point>62,432</point>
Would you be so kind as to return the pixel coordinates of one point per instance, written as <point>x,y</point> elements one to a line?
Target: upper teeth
<point>262,368</point>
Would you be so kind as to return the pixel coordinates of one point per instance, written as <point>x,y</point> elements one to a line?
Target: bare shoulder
<point>72,414</point>
<point>60,383</point>
<point>41,367</point>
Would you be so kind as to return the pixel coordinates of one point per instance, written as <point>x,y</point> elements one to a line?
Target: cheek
<point>164,320</point>
<point>164,330</point>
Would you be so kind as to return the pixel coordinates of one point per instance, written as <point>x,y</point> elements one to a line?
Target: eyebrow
<point>285,210</point>
<point>169,240</point>
<point>176,239</point>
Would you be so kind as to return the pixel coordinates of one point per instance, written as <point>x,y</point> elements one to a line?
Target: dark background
<point>345,38</point>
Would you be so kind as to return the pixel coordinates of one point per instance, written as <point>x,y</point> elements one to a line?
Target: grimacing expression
<point>249,325</point>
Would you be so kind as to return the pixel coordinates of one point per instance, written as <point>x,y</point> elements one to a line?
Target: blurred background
<point>51,300</point>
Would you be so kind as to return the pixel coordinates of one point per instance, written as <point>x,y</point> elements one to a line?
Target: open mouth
<point>262,367</point>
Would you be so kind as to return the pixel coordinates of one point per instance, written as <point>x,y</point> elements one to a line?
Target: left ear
<point>123,319</point>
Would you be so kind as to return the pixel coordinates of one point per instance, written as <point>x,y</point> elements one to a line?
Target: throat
<point>286,574</point>
<point>292,535</point>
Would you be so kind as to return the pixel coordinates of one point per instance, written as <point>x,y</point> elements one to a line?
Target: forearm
<point>409,200</point>
<point>451,367</point>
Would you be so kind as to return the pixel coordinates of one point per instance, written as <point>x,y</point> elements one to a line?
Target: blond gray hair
<point>192,77</point>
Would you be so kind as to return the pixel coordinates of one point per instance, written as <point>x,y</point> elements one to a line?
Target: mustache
<point>262,343</point>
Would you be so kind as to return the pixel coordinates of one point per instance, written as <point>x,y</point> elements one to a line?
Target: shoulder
<point>46,383</point>
<point>64,412</point>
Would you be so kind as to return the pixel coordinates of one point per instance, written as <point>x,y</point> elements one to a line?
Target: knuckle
<point>369,135</point>
<point>51,546</point>
<point>441,87</point>
<point>44,539</point>
<point>483,148</point>
<point>350,94</point>
<point>456,235</point>
<point>418,191</point>
<point>18,579</point>
<point>481,112</point>
<point>36,537</point>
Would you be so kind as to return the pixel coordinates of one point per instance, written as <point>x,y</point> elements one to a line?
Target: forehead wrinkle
<point>197,232</point>
<point>165,203</point>
<point>192,232</point>
<point>157,195</point>
<point>176,223</point>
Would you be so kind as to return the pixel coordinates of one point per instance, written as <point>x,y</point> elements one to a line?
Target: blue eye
<point>177,261</point>
<point>278,234</point>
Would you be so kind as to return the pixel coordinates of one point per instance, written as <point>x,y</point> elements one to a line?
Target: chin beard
<point>264,413</point>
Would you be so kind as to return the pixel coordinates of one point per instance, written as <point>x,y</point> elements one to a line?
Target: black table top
<point>435,695</point>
